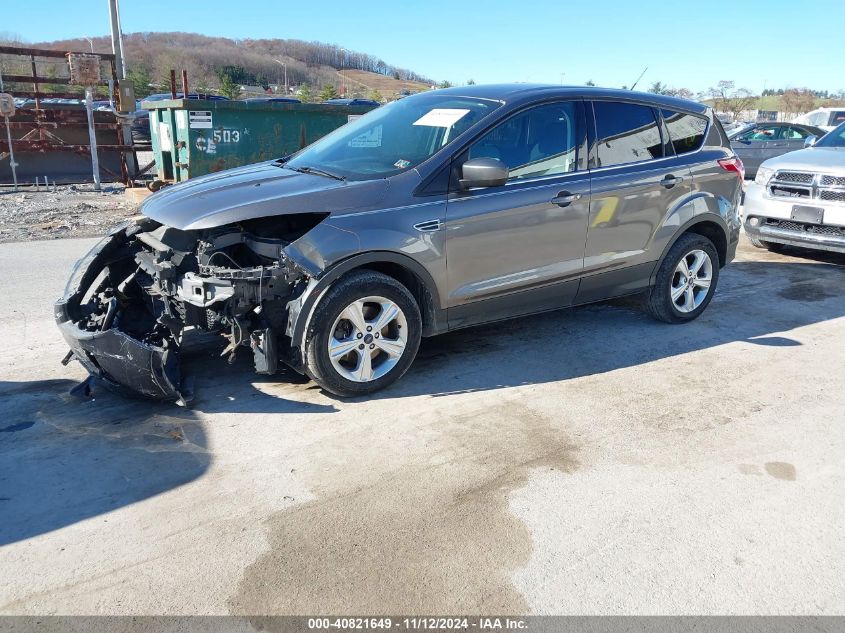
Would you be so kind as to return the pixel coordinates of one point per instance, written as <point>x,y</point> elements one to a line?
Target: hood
<point>256,191</point>
<point>818,159</point>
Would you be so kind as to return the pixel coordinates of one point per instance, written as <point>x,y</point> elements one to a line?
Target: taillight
<point>733,164</point>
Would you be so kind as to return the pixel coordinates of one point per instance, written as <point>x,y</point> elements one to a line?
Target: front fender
<point>301,309</point>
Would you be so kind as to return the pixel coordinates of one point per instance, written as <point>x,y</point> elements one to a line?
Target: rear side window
<point>686,131</point>
<point>626,133</point>
<point>837,117</point>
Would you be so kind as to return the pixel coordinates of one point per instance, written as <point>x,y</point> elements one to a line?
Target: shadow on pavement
<point>757,302</point>
<point>63,460</point>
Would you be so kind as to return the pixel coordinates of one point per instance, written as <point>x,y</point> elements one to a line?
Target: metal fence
<point>50,133</point>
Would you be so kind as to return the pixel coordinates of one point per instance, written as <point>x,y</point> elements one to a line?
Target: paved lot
<point>588,461</point>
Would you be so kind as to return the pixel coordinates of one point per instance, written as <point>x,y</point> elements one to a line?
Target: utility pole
<point>120,71</point>
<point>12,162</point>
<point>90,43</point>
<point>117,39</point>
<point>281,63</point>
<point>92,137</point>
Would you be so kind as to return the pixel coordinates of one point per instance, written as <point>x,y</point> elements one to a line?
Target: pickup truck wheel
<point>686,280</point>
<point>770,246</point>
<point>363,335</point>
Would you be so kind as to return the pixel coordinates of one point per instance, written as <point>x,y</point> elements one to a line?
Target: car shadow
<point>757,302</point>
<point>63,459</point>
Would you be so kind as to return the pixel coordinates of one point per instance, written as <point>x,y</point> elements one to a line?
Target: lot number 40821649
<point>227,136</point>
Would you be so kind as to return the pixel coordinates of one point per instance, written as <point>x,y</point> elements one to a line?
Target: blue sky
<point>684,44</point>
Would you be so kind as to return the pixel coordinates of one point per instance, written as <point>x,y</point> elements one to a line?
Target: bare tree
<point>683,93</point>
<point>727,98</point>
<point>798,101</point>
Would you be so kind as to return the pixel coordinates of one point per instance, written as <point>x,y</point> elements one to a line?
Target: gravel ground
<point>70,211</point>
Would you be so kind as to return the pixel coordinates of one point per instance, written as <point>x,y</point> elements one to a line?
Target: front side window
<point>542,141</point>
<point>686,131</point>
<point>760,133</point>
<point>794,133</point>
<point>626,133</point>
<point>393,138</point>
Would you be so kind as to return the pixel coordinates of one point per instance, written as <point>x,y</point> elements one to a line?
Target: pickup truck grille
<point>807,186</point>
<point>832,181</point>
<point>795,176</point>
<point>802,227</point>
<point>832,196</point>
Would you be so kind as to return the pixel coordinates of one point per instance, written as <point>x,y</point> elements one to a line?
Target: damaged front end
<point>133,301</point>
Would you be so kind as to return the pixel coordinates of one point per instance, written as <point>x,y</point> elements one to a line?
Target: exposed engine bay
<point>133,298</point>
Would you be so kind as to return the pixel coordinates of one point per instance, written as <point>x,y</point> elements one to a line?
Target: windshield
<point>834,138</point>
<point>393,138</point>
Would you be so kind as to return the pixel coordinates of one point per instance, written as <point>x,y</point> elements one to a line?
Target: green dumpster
<point>193,137</point>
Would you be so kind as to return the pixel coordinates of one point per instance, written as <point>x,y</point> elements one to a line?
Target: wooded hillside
<point>221,64</point>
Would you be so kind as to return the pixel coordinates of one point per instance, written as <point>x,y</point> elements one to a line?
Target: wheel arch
<point>402,268</point>
<point>712,227</point>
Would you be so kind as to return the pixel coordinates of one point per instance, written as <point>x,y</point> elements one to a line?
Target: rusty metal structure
<point>49,130</point>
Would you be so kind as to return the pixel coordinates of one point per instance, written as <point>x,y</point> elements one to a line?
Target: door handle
<point>670,181</point>
<point>565,198</point>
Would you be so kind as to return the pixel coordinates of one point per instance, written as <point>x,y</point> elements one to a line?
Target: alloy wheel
<point>691,280</point>
<point>368,339</point>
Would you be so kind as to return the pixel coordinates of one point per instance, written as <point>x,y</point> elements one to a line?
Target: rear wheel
<point>364,334</point>
<point>686,280</point>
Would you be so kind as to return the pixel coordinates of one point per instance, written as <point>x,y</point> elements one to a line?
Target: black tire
<point>659,303</point>
<point>349,288</point>
<point>769,246</point>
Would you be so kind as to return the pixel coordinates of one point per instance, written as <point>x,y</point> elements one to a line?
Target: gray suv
<point>440,211</point>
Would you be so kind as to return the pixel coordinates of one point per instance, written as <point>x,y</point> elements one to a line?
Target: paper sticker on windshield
<point>402,164</point>
<point>370,138</point>
<point>441,117</point>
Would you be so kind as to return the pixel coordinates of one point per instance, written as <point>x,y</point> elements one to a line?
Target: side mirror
<point>483,172</point>
<point>810,140</point>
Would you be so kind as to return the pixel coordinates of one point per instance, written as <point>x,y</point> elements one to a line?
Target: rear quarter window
<point>686,131</point>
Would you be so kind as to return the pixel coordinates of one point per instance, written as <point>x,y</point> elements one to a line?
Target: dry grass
<point>365,82</point>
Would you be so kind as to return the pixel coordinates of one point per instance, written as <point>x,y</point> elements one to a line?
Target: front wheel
<point>363,335</point>
<point>686,280</point>
<point>770,246</point>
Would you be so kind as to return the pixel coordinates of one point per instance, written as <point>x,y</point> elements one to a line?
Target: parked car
<point>798,199</point>
<point>731,128</point>
<point>353,102</point>
<point>761,141</point>
<point>439,211</point>
<point>824,118</point>
<point>272,100</point>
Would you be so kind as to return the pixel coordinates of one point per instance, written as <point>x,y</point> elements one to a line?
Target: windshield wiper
<point>316,172</point>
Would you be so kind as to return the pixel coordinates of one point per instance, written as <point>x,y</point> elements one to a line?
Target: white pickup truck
<point>798,199</point>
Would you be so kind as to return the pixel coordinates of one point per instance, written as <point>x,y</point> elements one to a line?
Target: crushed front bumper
<point>111,356</point>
